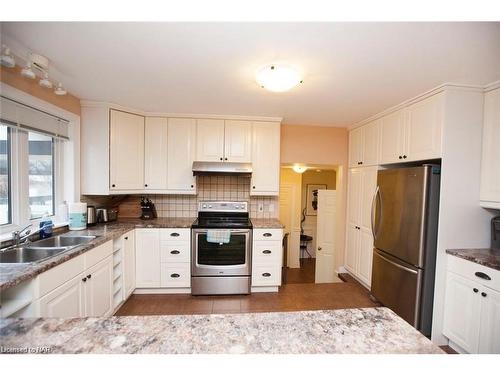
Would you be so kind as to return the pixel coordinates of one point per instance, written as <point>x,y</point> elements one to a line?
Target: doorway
<point>308,198</point>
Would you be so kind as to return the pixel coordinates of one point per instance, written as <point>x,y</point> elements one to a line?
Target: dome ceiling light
<point>278,78</point>
<point>299,168</point>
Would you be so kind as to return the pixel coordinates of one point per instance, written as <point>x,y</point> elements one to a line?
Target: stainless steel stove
<point>221,249</point>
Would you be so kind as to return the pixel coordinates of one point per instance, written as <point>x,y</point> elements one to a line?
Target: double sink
<point>38,251</point>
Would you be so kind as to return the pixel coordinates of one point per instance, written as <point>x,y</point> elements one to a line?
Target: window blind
<point>18,115</point>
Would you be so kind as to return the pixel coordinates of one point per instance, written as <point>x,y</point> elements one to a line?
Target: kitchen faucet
<point>18,236</point>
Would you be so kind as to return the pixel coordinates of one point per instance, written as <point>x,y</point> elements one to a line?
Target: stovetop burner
<point>224,215</point>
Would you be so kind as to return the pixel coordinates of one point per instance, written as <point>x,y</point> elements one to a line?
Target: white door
<point>392,138</point>
<point>290,217</point>
<point>238,141</point>
<point>181,154</point>
<point>489,334</point>
<point>129,263</point>
<point>490,164</point>
<point>462,306</point>
<point>147,258</point>
<point>424,127</point>
<point>209,140</point>
<point>99,288</point>
<point>371,143</point>
<point>355,147</point>
<point>265,158</point>
<point>67,301</point>
<point>126,151</point>
<point>325,238</point>
<point>155,153</point>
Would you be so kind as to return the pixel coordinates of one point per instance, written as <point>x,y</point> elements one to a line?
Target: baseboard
<point>262,289</point>
<point>162,291</point>
<point>456,347</point>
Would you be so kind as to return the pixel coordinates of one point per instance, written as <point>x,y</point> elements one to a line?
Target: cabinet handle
<point>175,234</point>
<point>475,290</point>
<point>146,185</point>
<point>175,252</point>
<point>175,275</point>
<point>225,159</point>
<point>400,157</point>
<point>483,294</point>
<point>482,275</point>
<point>319,248</point>
<point>192,186</point>
<point>267,234</point>
<point>113,185</point>
<point>360,163</point>
<point>266,274</point>
<point>89,276</point>
<point>126,238</point>
<point>84,279</point>
<point>220,158</point>
<point>404,156</point>
<point>253,187</point>
<point>266,252</point>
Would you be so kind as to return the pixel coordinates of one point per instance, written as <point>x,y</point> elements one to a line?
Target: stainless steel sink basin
<point>60,241</point>
<point>28,254</point>
<point>38,251</point>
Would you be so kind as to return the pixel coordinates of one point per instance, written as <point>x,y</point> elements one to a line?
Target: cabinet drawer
<point>175,252</point>
<point>475,272</point>
<point>175,234</point>
<point>265,252</point>
<point>94,256</point>
<point>267,234</point>
<point>55,277</point>
<point>266,275</point>
<point>175,275</point>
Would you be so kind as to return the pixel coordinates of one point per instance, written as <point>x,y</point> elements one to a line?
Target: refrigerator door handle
<point>396,264</point>
<point>372,215</point>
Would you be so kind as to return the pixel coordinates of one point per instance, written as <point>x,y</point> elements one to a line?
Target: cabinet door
<point>367,190</point>
<point>147,258</point>
<point>462,306</point>
<point>354,195</point>
<point>424,127</point>
<point>351,248</point>
<point>209,140</point>
<point>489,334</point>
<point>155,153</point>
<point>265,158</point>
<point>365,256</point>
<point>129,263</point>
<point>392,138</point>
<point>66,301</point>
<point>238,141</point>
<point>126,151</point>
<point>371,143</point>
<point>355,147</point>
<point>99,289</point>
<point>490,165</point>
<point>181,153</point>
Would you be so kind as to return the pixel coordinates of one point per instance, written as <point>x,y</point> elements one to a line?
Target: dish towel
<point>219,236</point>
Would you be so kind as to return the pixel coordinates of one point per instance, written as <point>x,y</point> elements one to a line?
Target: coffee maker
<point>495,233</point>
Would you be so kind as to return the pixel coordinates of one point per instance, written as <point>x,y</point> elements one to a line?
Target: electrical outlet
<point>261,207</point>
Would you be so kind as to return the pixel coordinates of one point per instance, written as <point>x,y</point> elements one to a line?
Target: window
<point>41,175</point>
<point>5,186</point>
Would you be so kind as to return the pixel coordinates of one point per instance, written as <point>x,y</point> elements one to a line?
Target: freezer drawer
<point>397,286</point>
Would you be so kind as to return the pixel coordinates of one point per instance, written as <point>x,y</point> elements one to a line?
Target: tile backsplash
<point>229,188</point>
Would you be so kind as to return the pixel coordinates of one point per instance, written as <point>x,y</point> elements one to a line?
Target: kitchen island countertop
<point>369,330</point>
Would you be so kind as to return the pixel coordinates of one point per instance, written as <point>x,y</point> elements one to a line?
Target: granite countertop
<point>370,330</point>
<point>267,223</point>
<point>13,274</point>
<point>486,257</point>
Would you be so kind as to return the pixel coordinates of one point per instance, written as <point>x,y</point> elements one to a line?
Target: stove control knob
<point>209,206</point>
<point>204,206</point>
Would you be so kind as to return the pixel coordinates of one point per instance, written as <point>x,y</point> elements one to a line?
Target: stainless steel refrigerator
<point>404,224</point>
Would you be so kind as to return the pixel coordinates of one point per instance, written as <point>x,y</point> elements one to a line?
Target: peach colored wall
<point>313,145</point>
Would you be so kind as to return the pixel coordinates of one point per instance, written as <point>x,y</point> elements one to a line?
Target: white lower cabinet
<point>472,307</point>
<point>163,258</point>
<point>98,281</point>
<point>267,258</point>
<point>67,301</point>
<point>129,281</point>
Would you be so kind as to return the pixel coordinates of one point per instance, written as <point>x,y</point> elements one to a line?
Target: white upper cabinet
<point>126,152</point>
<point>265,158</point>
<point>210,140</point>
<point>238,141</point>
<point>490,164</point>
<point>181,154</point>
<point>392,138</point>
<point>155,153</point>
<point>364,143</point>
<point>355,147</point>
<point>424,126</point>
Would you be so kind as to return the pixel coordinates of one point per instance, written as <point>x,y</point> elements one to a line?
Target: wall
<point>228,188</point>
<point>324,146</point>
<point>13,77</point>
<point>324,177</point>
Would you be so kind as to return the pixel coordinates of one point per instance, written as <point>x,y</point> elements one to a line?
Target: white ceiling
<point>351,70</point>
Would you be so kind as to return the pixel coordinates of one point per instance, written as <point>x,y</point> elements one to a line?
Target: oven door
<point>228,259</point>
